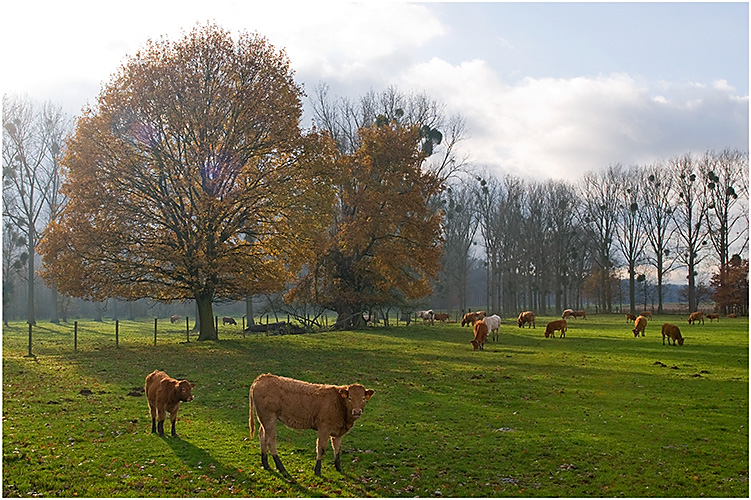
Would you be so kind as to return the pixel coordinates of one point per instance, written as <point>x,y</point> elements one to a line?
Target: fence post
<point>30,354</point>
<point>75,335</point>
<point>117,334</point>
<point>155,330</point>
<point>187,328</point>
<point>216,325</point>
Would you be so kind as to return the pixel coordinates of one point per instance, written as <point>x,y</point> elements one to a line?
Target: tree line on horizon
<point>192,180</point>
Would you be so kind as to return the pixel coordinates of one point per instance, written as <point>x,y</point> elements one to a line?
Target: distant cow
<point>481,335</point>
<point>330,409</point>
<point>695,317</point>
<point>229,320</point>
<point>712,316</point>
<point>526,317</point>
<point>164,394</point>
<point>471,317</point>
<point>556,325</point>
<point>646,314</point>
<point>671,331</point>
<point>580,314</point>
<point>567,313</point>
<point>732,315</point>
<point>174,318</point>
<point>442,317</point>
<point>494,323</point>
<point>630,317</point>
<point>639,325</point>
<point>426,316</point>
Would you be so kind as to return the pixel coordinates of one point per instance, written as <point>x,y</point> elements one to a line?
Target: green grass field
<point>598,413</point>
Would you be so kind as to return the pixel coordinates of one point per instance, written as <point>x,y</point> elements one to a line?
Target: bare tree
<point>599,195</point>
<point>657,211</point>
<point>32,144</point>
<point>562,206</point>
<point>690,217</point>
<point>629,228</point>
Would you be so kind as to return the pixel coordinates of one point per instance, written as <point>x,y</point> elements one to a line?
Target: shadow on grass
<point>194,457</point>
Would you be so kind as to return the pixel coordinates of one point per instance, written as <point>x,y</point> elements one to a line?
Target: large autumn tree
<point>384,243</point>
<point>190,178</point>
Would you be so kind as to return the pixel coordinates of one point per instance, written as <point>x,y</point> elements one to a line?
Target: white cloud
<point>557,127</point>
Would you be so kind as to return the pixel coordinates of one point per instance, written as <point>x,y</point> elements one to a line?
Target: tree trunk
<point>30,314</point>
<point>55,306</point>
<point>249,309</point>
<point>347,318</point>
<point>632,290</point>
<point>206,317</point>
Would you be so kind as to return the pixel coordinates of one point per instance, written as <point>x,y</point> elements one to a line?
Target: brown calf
<point>481,335</point>
<point>567,313</point>
<point>732,315</point>
<point>442,317</point>
<point>695,317</point>
<point>580,314</point>
<point>556,325</point>
<point>526,317</point>
<point>229,320</point>
<point>671,331</point>
<point>330,409</point>
<point>471,317</point>
<point>174,318</point>
<point>646,314</point>
<point>630,317</point>
<point>712,316</point>
<point>164,394</point>
<point>639,325</point>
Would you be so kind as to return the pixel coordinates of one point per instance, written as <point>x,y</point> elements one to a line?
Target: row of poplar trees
<point>548,244</point>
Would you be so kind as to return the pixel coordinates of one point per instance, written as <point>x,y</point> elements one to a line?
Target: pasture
<point>598,413</point>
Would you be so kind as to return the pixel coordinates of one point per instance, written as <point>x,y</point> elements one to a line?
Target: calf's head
<point>184,389</point>
<point>355,396</point>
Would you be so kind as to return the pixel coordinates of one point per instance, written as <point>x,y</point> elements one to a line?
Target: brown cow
<point>732,315</point>
<point>526,317</point>
<point>164,394</point>
<point>671,331</point>
<point>471,317</point>
<point>639,325</point>
<point>695,317</point>
<point>229,320</point>
<point>646,314</point>
<point>330,409</point>
<point>481,335</point>
<point>174,318</point>
<point>580,314</point>
<point>556,325</point>
<point>630,317</point>
<point>442,317</point>
<point>712,316</point>
<point>567,313</point>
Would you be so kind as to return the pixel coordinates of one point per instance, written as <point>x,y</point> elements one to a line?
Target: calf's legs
<point>267,437</point>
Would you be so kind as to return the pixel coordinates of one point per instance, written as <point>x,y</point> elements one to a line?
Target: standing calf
<point>494,323</point>
<point>671,331</point>
<point>695,317</point>
<point>329,409</point>
<point>556,325</point>
<point>526,317</point>
<point>164,394</point>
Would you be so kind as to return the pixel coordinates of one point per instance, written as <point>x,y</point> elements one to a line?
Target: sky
<point>548,90</point>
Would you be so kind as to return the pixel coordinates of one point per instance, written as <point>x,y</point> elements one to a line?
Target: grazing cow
<point>229,320</point>
<point>442,317</point>
<point>556,325</point>
<point>671,331</point>
<point>630,317</point>
<point>164,394</point>
<point>646,314</point>
<point>567,313</point>
<point>695,317</point>
<point>470,318</point>
<point>481,335</point>
<point>526,317</point>
<point>174,318</point>
<point>329,409</point>
<point>580,314</point>
<point>712,316</point>
<point>639,325</point>
<point>426,316</point>
<point>494,323</point>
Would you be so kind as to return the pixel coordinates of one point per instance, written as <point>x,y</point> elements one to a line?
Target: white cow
<point>426,316</point>
<point>493,322</point>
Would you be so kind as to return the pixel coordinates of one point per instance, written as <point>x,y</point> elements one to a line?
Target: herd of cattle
<point>332,410</point>
<point>482,324</point>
